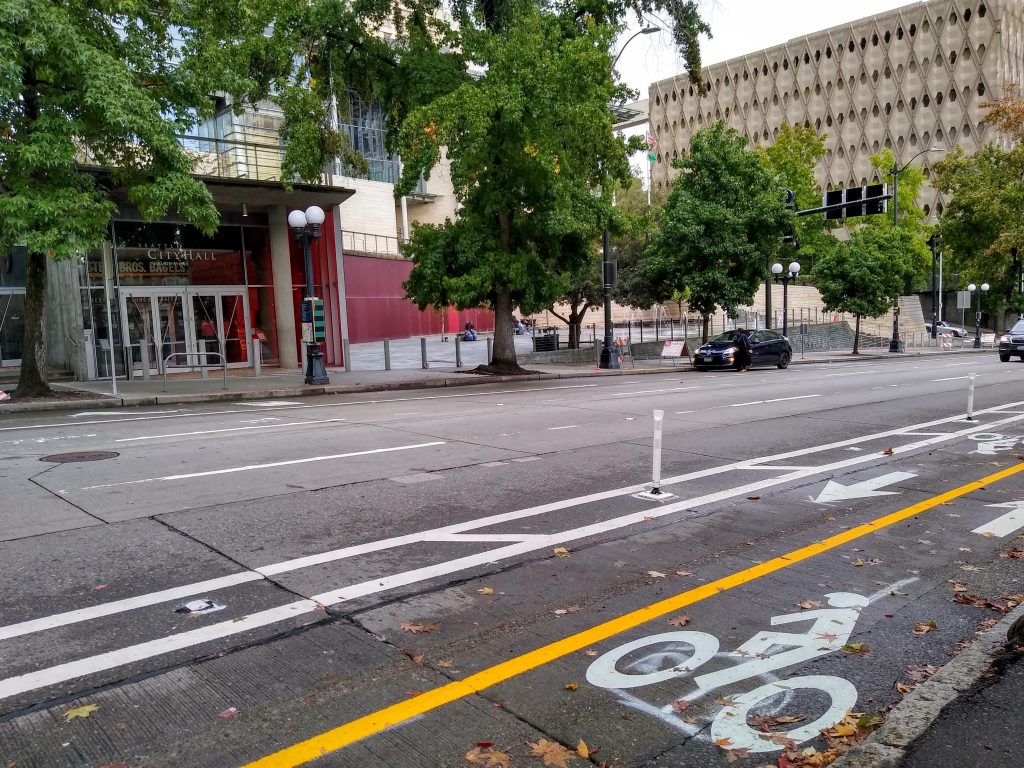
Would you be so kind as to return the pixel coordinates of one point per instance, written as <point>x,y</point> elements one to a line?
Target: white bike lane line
<point>843,617</point>
<point>526,544</point>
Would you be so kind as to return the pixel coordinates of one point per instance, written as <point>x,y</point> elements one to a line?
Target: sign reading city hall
<point>158,262</point>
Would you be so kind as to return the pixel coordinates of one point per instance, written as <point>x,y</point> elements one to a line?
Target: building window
<point>874,40</point>
<point>913,29</point>
<point>888,36</point>
<point>364,125</point>
<point>952,59</point>
<point>967,15</point>
<point>981,89</point>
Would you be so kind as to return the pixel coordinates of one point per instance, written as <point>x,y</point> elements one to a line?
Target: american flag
<point>651,141</point>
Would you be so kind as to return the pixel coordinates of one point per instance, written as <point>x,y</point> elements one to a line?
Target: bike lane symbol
<point>676,654</point>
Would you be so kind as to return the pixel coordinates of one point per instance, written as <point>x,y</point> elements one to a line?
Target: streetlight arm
<point>644,31</point>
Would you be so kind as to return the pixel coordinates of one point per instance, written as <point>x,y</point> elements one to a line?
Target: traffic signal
<point>856,201</point>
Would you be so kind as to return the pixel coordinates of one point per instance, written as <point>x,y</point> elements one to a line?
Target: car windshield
<point>1018,327</point>
<point>728,336</point>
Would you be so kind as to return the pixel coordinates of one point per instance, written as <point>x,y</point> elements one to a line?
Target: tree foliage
<point>527,154</point>
<point>722,224</point>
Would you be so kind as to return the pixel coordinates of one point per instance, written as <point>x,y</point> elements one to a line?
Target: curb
<point>914,715</point>
<point>465,379</point>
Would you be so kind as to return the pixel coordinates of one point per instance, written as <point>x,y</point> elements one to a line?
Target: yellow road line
<point>336,738</point>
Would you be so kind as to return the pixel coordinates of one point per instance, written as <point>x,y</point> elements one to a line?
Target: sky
<point>739,27</point>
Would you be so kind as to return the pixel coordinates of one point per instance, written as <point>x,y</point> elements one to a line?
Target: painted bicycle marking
<point>672,655</point>
<point>992,443</point>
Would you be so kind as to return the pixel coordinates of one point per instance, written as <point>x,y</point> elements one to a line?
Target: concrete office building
<point>909,79</point>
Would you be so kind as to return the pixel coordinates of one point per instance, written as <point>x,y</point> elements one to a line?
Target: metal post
<point>107,282</point>
<point>458,351</point>
<point>490,344</point>
<point>977,321</point>
<point>935,289</point>
<point>895,344</point>
<point>970,398</point>
<point>423,352</point>
<point>345,354</point>
<point>785,306</point>
<point>387,354</point>
<point>608,357</point>
<point>315,371</point>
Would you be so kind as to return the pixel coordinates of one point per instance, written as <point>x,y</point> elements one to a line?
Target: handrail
<point>223,362</point>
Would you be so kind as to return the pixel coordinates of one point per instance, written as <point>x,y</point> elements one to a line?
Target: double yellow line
<point>376,722</point>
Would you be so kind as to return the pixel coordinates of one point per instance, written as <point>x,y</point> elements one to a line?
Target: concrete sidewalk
<point>278,384</point>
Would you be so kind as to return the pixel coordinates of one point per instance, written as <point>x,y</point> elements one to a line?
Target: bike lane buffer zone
<point>837,617</point>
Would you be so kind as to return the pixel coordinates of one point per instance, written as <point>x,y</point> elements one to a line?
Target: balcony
<point>363,243</point>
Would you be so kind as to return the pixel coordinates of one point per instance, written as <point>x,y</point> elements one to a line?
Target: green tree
<point>723,222</point>
<point>865,276</point>
<point>526,153</point>
<point>584,288</point>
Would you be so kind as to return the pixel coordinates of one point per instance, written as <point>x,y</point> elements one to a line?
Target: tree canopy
<point>722,224</point>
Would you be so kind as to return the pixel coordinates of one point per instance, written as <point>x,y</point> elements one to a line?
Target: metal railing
<point>223,363</point>
<point>364,242</point>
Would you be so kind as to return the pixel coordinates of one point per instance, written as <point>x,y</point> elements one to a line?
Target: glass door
<point>170,320</point>
<point>12,328</point>
<point>219,323</point>
<point>139,340</point>
<point>156,327</point>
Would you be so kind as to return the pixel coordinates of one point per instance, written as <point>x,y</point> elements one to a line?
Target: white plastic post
<point>970,398</point>
<point>659,421</point>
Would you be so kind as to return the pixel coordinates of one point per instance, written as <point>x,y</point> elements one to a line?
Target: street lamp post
<point>306,226</point>
<point>608,357</point>
<point>896,343</point>
<point>977,311</point>
<point>789,277</point>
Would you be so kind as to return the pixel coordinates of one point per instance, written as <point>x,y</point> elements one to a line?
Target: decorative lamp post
<point>608,357</point>
<point>896,343</point>
<point>977,311</point>
<point>306,226</point>
<point>789,277</point>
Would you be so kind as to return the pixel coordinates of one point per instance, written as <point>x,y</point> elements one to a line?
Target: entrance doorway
<point>177,326</point>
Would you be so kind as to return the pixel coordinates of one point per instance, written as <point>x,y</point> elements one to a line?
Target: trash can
<point>546,341</point>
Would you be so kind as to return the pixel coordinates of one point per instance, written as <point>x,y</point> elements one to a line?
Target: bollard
<point>970,398</point>
<point>659,421</point>
<point>257,356</point>
<point>458,351</point>
<point>490,343</point>
<point>345,354</point>
<point>387,354</point>
<point>423,352</point>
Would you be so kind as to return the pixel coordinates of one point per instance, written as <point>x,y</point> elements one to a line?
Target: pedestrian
<point>743,351</point>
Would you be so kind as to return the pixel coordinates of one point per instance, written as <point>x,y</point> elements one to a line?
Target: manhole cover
<point>68,458</point>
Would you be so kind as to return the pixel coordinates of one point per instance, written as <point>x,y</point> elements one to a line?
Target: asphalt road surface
<point>396,580</point>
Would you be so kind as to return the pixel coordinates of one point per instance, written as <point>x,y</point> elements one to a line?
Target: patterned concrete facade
<point>909,79</point>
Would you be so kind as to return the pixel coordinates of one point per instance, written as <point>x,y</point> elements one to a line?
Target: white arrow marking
<point>1007,524</point>
<point>834,491</point>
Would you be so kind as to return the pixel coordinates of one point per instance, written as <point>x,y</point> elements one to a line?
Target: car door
<point>764,348</point>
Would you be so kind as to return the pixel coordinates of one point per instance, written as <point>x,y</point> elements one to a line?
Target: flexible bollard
<point>490,343</point>
<point>970,398</point>
<point>387,354</point>
<point>458,351</point>
<point>423,352</point>
<point>659,421</point>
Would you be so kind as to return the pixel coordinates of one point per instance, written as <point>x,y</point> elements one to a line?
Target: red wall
<point>378,309</point>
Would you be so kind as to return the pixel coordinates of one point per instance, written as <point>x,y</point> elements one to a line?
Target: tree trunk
<point>504,351</point>
<point>705,319</point>
<point>32,379</point>
<point>856,335</point>
<point>575,327</point>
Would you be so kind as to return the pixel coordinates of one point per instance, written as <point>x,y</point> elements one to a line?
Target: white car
<point>943,327</point>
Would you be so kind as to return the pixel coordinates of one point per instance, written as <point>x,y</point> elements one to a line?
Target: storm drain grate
<point>70,458</point>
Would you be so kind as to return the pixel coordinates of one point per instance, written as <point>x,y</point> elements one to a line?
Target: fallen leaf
<point>724,743</point>
<point>806,604</point>
<point>83,711</point>
<point>679,705</point>
<point>485,591</point>
<point>561,552</point>
<point>924,629</point>
<point>552,753</point>
<point>445,664</point>
<point>648,518</point>
<point>684,573</point>
<point>487,757</point>
<point>590,652</point>
<point>1015,554</point>
<point>100,586</point>
<point>571,686</point>
<point>412,693</point>
<point>583,750</point>
<point>904,688</point>
<point>827,636</point>
<point>228,713</point>
<point>957,586</point>
<point>656,574</point>
<point>860,648</point>
<point>725,701</point>
<point>766,722</point>
<point>887,452</point>
<point>753,498</point>
<point>679,621</point>
<point>417,629</point>
<point>830,518</point>
<point>732,755</point>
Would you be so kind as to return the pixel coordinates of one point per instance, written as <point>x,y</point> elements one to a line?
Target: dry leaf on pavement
<point>724,743</point>
<point>925,628</point>
<point>680,704</point>
<point>684,573</point>
<point>656,574</point>
<point>83,711</point>
<point>679,621</point>
<point>561,552</point>
<point>416,629</point>
<point>571,686</point>
<point>445,664</point>
<point>888,452</point>
<point>590,652</point>
<point>228,713</point>
<point>552,753</point>
<point>732,755</point>
<point>485,591</point>
<point>860,648</point>
<point>807,604</point>
<point>904,688</point>
<point>487,757</point>
<point>583,750</point>
<point>725,701</point>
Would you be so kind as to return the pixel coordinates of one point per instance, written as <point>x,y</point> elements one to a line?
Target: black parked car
<point>1012,342</point>
<point>768,348</point>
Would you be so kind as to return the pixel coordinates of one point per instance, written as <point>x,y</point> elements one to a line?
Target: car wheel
<point>783,360</point>
<point>1006,358</point>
